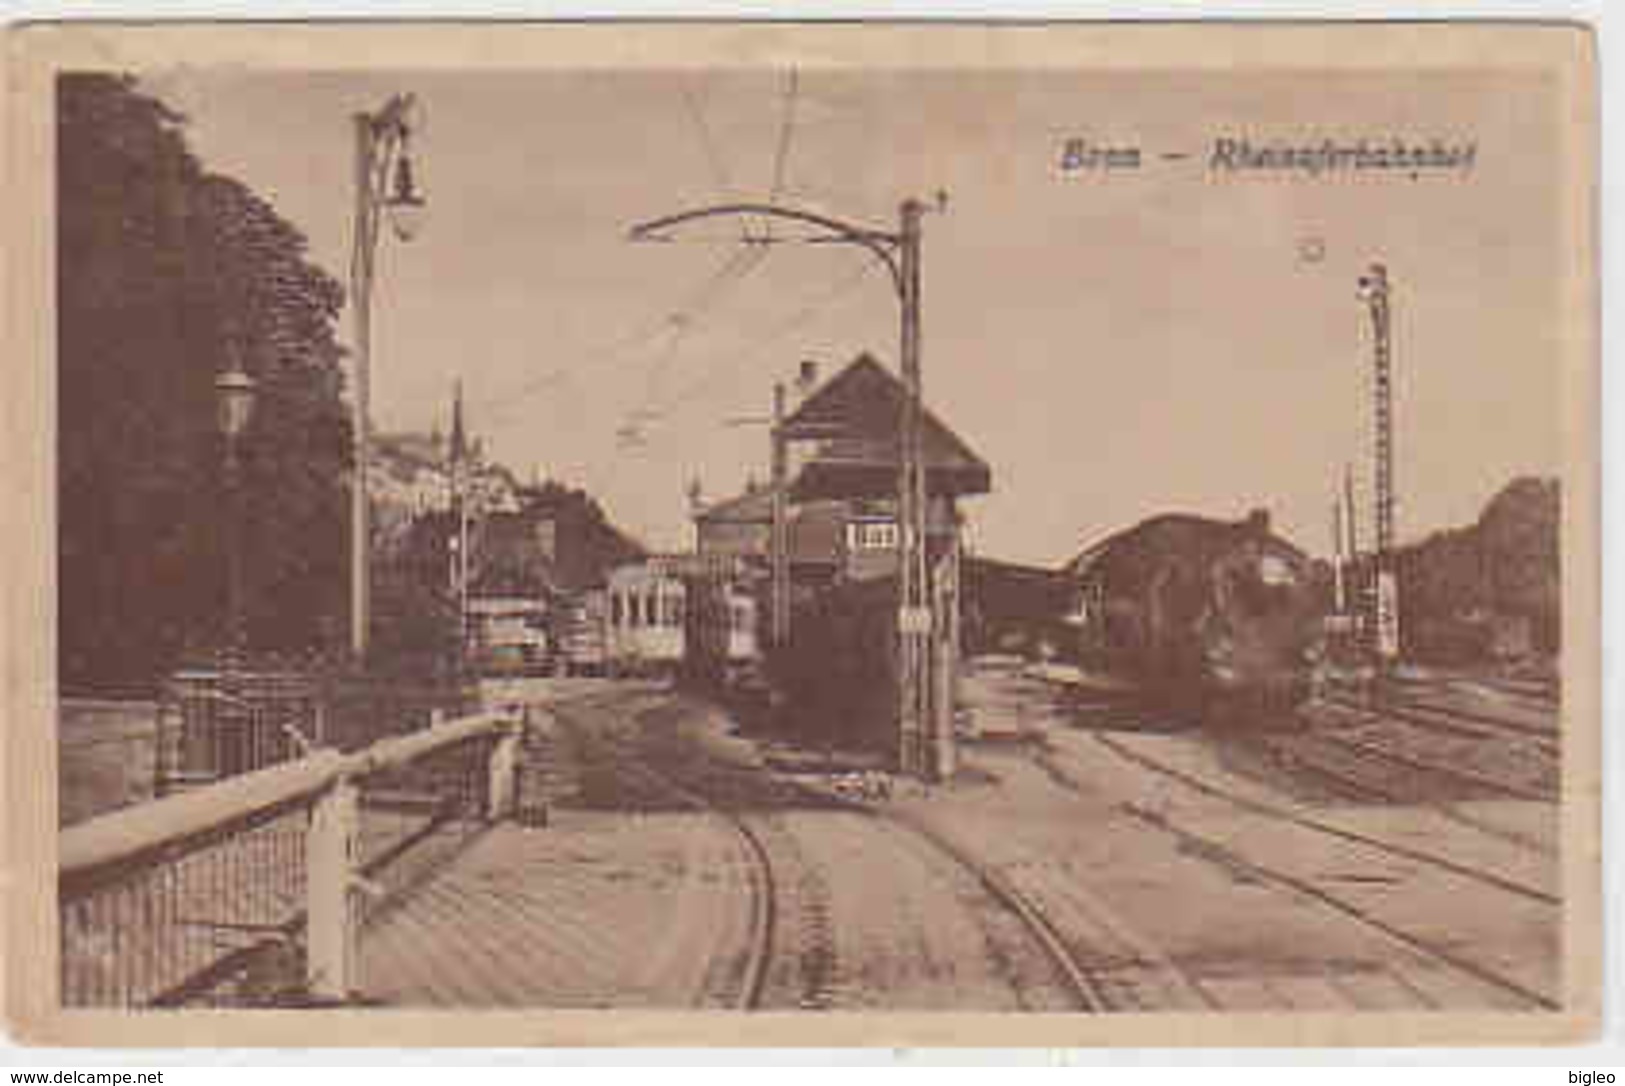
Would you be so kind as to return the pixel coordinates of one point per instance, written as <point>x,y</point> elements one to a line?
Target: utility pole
<point>1374,289</point>
<point>780,542</point>
<point>459,501</point>
<point>915,723</point>
<point>900,253</point>
<point>366,229</point>
<point>1339,560</point>
<point>380,145</point>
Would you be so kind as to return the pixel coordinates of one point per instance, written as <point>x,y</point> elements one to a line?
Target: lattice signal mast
<point>1374,290</point>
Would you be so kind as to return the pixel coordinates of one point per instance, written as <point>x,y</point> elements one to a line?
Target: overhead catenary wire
<point>700,298</point>
<point>752,350</point>
<point>787,129</point>
<point>733,272</point>
<point>708,146</point>
<point>676,326</point>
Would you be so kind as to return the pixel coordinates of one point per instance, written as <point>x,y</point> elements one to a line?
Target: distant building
<point>842,451</point>
<point>739,527</point>
<point>841,502</point>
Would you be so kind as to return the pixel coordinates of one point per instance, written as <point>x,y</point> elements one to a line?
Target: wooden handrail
<point>135,831</point>
<point>401,749</point>
<point>123,835</point>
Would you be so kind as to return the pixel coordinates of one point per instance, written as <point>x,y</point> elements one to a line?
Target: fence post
<point>502,794</point>
<point>160,775</point>
<point>330,850</point>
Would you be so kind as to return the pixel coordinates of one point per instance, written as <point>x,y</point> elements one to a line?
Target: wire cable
<point>804,315</point>
<point>787,130</point>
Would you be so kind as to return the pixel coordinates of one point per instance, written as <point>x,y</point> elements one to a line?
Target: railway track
<point>1281,813</point>
<point>793,956</point>
<point>1432,950</point>
<point>1455,777</point>
<point>1454,720</point>
<point>1090,994</point>
<point>1470,781</point>
<point>1531,694</point>
<point>763,895</point>
<point>1364,772</point>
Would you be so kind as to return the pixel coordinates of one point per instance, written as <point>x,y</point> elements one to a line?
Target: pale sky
<point>1114,344</point>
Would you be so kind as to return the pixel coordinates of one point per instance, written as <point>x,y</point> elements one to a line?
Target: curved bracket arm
<point>882,244</point>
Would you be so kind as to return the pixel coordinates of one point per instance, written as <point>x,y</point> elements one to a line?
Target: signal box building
<point>842,553</point>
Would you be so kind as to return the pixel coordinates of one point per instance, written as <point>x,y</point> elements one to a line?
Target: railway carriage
<point>645,623</point>
<point>722,646</point>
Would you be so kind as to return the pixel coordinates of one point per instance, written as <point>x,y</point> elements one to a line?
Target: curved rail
<point>1084,987</point>
<point>763,905</point>
<point>1085,990</point>
<point>764,910</point>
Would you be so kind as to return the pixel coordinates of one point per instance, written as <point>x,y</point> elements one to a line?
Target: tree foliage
<point>1456,586</point>
<point>168,273</point>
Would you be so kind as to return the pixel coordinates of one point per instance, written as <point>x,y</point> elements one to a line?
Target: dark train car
<point>1015,609</point>
<point>721,646</point>
<point>1216,617</point>
<point>837,673</point>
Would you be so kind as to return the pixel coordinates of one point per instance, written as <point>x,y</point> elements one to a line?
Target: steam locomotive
<point>1219,618</point>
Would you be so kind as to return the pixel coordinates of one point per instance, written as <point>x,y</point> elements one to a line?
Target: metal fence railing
<point>215,724</point>
<point>253,890</point>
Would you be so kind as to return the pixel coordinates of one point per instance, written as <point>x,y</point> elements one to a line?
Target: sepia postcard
<point>802,534</point>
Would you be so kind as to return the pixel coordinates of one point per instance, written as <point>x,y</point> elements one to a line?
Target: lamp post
<point>384,184</point>
<point>234,397</point>
<point>925,738</point>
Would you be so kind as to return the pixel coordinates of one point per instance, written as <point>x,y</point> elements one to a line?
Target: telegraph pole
<point>460,468</point>
<point>1339,560</point>
<point>366,229</point>
<point>915,724</point>
<point>1374,290</point>
<point>781,529</point>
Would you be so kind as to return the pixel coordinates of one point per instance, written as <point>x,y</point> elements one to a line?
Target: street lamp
<point>234,399</point>
<point>384,185</point>
<point>405,204</point>
<point>234,393</point>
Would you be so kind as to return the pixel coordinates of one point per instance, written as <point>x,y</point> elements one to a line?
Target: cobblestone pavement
<point>680,865</point>
<point>1188,879</point>
<point>664,841</point>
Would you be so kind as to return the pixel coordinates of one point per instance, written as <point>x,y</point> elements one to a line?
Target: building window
<point>1273,570</point>
<point>871,535</point>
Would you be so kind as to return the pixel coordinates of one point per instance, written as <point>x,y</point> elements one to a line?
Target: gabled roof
<point>854,418</point>
<point>751,507</point>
